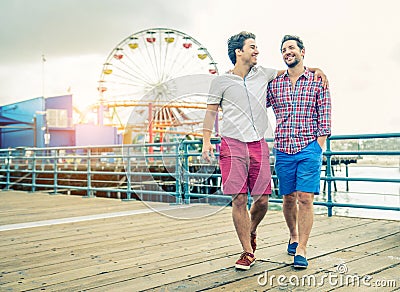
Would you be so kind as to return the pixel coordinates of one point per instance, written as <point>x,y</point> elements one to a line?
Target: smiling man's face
<point>291,53</point>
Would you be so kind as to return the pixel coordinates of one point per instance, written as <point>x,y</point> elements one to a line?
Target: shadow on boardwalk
<point>69,243</point>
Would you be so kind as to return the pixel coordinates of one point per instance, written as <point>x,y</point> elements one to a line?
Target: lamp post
<point>43,61</point>
<point>45,128</point>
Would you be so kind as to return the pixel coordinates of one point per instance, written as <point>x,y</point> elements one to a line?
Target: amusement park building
<point>47,122</point>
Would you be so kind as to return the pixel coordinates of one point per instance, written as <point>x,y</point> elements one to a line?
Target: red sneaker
<point>253,241</point>
<point>245,261</point>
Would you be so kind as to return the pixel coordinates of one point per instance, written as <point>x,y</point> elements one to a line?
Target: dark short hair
<point>289,37</point>
<point>237,42</point>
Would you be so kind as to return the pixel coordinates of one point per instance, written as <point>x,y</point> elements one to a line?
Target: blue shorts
<point>300,171</point>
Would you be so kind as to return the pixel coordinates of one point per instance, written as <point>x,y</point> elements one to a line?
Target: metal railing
<point>329,178</point>
<point>127,172</point>
<point>165,172</point>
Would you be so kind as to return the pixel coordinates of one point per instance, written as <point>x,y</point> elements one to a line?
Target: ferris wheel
<point>149,58</point>
<point>142,70</point>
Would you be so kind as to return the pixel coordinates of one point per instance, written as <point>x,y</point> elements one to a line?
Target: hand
<point>208,152</point>
<point>319,74</point>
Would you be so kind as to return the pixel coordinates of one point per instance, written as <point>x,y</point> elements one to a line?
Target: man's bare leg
<point>257,211</point>
<point>241,220</point>
<point>290,213</point>
<point>305,220</point>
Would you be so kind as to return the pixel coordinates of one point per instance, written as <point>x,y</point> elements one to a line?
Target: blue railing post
<point>178,173</point>
<point>89,174</point>
<point>185,169</point>
<point>55,166</point>
<point>8,170</point>
<point>33,189</point>
<point>329,176</point>
<point>128,173</point>
<point>249,200</point>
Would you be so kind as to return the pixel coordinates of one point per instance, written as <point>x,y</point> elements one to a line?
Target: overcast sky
<point>356,43</point>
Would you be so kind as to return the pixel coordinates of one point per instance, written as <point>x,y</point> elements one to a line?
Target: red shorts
<point>245,167</point>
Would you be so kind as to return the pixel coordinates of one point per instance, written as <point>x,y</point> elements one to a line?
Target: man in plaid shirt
<point>303,122</point>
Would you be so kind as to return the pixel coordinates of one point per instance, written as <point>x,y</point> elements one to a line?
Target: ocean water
<point>365,193</point>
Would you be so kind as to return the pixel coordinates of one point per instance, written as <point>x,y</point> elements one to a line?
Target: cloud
<point>76,27</point>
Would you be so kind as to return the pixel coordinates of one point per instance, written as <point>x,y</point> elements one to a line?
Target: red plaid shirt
<point>302,114</point>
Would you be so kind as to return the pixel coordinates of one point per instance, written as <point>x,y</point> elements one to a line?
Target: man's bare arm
<point>208,126</point>
<point>280,72</point>
<point>319,74</point>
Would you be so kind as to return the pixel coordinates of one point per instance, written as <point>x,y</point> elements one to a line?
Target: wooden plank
<point>232,236</point>
<point>171,273</point>
<point>385,280</point>
<point>342,240</point>
<point>19,207</point>
<point>385,263</point>
<point>152,251</point>
<point>123,243</point>
<point>139,221</point>
<point>126,235</point>
<point>319,266</point>
<point>132,243</point>
<point>358,265</point>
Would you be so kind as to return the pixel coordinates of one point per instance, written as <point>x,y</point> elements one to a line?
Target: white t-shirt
<point>243,103</point>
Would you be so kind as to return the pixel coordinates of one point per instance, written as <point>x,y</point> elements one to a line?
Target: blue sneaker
<point>300,262</point>
<point>291,248</point>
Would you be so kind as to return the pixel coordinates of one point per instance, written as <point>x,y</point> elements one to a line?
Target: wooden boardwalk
<point>70,243</point>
